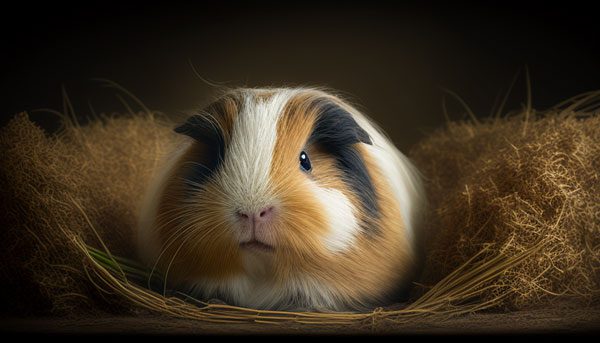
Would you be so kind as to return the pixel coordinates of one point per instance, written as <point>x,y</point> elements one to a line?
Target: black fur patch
<point>203,130</point>
<point>206,132</point>
<point>335,126</point>
<point>337,132</point>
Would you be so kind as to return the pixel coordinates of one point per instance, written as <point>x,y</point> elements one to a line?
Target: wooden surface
<point>542,320</point>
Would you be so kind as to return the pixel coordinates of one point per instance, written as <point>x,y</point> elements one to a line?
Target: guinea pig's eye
<point>305,161</point>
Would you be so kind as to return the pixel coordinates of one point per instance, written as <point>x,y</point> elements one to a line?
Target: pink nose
<point>262,216</point>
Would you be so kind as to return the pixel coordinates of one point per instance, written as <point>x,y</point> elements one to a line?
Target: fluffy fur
<point>339,237</point>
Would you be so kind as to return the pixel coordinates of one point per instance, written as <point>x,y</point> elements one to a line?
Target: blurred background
<point>393,59</point>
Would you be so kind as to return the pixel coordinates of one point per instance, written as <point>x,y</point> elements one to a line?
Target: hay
<point>509,184</point>
<point>55,190</point>
<point>514,219</point>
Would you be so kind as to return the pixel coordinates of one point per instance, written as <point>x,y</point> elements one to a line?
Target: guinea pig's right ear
<point>203,129</point>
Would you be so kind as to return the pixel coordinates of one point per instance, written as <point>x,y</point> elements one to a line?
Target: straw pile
<point>513,220</point>
<point>79,186</point>
<point>509,184</point>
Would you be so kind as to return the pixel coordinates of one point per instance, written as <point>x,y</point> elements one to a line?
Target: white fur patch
<point>246,166</point>
<point>342,224</point>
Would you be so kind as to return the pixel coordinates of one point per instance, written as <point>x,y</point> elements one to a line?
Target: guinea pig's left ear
<point>202,129</point>
<point>335,125</point>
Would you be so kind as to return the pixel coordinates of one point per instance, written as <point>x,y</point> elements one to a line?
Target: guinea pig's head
<point>270,180</point>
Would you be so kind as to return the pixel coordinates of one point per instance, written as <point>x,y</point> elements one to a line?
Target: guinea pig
<point>283,198</point>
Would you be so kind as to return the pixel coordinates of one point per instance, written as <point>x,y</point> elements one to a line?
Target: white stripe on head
<point>247,163</point>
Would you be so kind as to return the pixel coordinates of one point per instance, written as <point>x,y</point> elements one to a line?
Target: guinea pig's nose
<point>261,216</point>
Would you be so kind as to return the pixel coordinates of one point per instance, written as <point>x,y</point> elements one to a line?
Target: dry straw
<point>513,218</point>
<point>511,182</point>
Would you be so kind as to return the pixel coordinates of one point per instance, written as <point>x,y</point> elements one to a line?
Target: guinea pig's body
<point>283,199</point>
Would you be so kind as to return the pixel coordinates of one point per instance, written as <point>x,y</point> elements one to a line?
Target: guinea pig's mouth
<point>255,245</point>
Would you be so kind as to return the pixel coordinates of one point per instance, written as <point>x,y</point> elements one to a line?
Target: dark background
<point>391,58</point>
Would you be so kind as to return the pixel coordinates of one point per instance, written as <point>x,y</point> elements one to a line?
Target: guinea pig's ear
<point>335,125</point>
<point>202,129</point>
